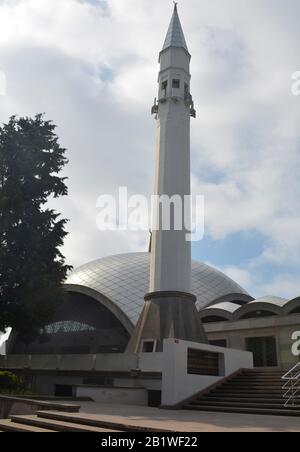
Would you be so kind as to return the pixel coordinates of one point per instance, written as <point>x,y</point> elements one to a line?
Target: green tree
<point>32,267</point>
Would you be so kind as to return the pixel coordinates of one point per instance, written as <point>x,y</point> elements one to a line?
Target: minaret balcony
<point>162,99</point>
<point>193,113</point>
<point>188,99</point>
<point>154,109</point>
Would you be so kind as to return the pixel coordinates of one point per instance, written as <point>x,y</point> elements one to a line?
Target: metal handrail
<point>292,387</point>
<point>296,368</point>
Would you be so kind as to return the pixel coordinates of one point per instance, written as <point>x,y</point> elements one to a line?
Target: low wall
<point>10,406</point>
<point>122,362</point>
<point>113,395</point>
<point>178,384</point>
<point>49,371</point>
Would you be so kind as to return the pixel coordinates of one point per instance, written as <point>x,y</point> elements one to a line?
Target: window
<point>203,363</point>
<point>67,326</point>
<point>176,83</point>
<point>214,319</point>
<point>186,89</point>
<point>164,85</point>
<point>219,343</point>
<point>264,351</point>
<point>149,346</point>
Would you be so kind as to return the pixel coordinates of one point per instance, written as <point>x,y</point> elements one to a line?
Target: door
<point>264,351</point>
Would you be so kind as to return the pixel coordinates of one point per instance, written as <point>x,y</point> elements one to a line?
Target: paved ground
<point>190,421</point>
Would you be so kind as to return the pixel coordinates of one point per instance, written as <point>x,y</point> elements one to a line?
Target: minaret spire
<point>175,36</point>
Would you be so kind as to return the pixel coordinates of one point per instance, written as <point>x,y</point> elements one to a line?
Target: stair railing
<point>292,387</point>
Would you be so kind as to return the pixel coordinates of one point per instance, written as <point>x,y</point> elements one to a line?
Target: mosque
<point>106,298</point>
<point>107,320</point>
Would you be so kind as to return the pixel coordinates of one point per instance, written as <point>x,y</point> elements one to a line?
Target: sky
<point>91,66</point>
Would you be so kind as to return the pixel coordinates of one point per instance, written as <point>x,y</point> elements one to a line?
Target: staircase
<point>54,421</point>
<point>258,391</point>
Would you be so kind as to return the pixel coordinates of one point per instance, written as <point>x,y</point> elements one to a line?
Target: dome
<point>124,280</point>
<point>263,307</point>
<point>276,301</point>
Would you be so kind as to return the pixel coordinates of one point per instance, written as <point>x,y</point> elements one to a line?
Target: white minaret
<point>170,310</point>
<point>171,252</point>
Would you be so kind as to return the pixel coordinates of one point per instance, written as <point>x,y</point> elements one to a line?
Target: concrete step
<point>278,383</point>
<point>256,382</point>
<point>224,409</point>
<point>262,374</point>
<point>58,426</point>
<point>259,381</point>
<point>251,392</point>
<point>239,391</point>
<point>245,386</point>
<point>278,406</point>
<point>7,426</point>
<point>266,369</point>
<point>246,399</point>
<point>253,395</point>
<point>95,421</point>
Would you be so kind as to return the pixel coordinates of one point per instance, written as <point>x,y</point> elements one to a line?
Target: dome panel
<point>124,279</point>
<point>276,301</point>
<point>225,306</point>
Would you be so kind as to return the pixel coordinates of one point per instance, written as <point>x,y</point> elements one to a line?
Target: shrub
<point>10,382</point>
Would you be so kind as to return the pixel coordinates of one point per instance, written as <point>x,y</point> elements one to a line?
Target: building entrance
<point>264,351</point>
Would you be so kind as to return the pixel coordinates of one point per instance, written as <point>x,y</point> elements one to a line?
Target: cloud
<point>241,276</point>
<point>92,67</point>
<point>284,285</point>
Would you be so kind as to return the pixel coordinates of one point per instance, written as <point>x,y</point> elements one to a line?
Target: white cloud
<point>241,276</point>
<point>245,141</point>
<point>284,285</point>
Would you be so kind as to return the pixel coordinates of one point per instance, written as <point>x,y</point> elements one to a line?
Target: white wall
<point>2,349</point>
<point>178,385</point>
<point>3,338</point>
<point>119,396</point>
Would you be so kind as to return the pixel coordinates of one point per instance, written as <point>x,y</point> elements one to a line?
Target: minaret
<point>170,307</point>
<point>171,255</point>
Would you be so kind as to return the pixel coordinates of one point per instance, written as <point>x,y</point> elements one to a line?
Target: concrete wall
<point>146,362</point>
<point>178,385</point>
<point>120,396</point>
<point>45,385</point>
<point>152,385</point>
<point>10,406</point>
<point>281,327</point>
<point>72,370</point>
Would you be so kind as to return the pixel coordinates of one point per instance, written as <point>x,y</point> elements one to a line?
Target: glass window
<point>149,346</point>
<point>67,326</point>
<point>176,83</point>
